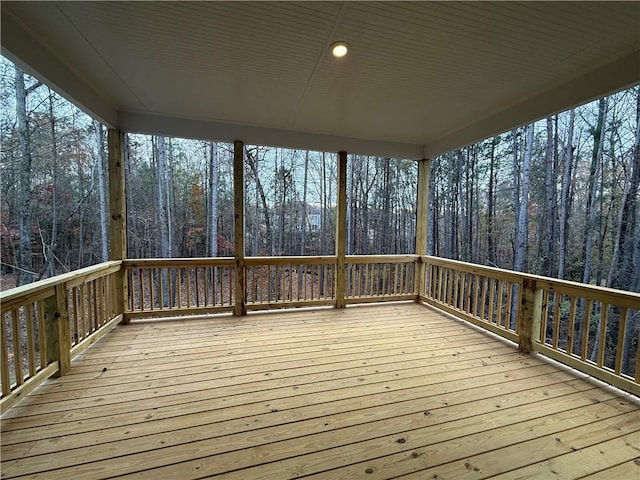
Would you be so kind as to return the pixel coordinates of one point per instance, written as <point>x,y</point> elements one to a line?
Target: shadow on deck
<point>385,391</point>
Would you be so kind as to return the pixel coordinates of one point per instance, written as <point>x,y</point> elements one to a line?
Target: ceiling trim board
<point>151,124</point>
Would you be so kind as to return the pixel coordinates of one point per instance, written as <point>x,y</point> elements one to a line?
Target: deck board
<point>385,391</point>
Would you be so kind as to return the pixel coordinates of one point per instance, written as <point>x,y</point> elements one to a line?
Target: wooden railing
<point>178,286</point>
<point>46,323</point>
<point>484,296</point>
<point>590,328</point>
<point>285,282</point>
<point>378,278</point>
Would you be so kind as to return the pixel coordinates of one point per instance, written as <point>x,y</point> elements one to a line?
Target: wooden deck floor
<point>385,391</point>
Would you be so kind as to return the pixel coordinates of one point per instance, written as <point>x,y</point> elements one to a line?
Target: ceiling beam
<point>258,135</point>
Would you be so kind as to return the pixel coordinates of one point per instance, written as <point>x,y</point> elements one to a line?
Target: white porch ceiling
<point>421,78</point>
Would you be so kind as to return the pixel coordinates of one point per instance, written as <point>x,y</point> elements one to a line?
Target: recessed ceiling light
<point>339,49</point>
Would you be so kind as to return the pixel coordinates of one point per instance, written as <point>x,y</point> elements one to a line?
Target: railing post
<point>530,315</point>
<point>422,224</point>
<point>341,229</point>
<point>56,314</point>
<point>118,223</point>
<point>240,306</point>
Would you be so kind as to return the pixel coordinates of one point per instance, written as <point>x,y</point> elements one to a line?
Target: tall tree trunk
<point>549,221</point>
<point>212,214</point>
<point>213,200</point>
<point>102,189</point>
<point>471,214</point>
<point>129,196</point>
<point>303,240</point>
<point>252,161</point>
<point>516,193</point>
<point>491,208</point>
<point>565,199</point>
<point>432,222</point>
<point>164,218</point>
<point>523,217</point>
<point>385,244</point>
<point>53,241</point>
<point>25,261</point>
<point>596,168</point>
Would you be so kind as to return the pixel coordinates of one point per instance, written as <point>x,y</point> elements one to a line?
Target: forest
<point>558,197</point>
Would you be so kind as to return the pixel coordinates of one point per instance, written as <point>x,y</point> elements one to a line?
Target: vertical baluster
<point>41,335</point>
<point>97,283</point>
<point>476,290</point>
<point>222,271</point>
<point>604,314</point>
<point>556,319</point>
<point>31,346</point>
<point>500,303</point>
<point>170,287</point>
<point>161,288</point>
<point>375,277</point>
<point>17,348</point>
<point>545,317</point>
<point>492,293</point>
<point>188,280</point>
<point>195,273</point>
<point>141,288</point>
<point>483,296</point>
<point>131,299</point>
<point>96,306</point>
<point>4,357</point>
<point>585,329</point>
<point>76,314</point>
<point>433,282</point>
<point>622,327</point>
<point>572,323</point>
<point>508,307</point>
<point>290,276</point>
<point>365,277</point>
<point>314,270</point>
<point>304,280</point>
<point>357,279</point>
<point>179,278</point>
<point>268,291</point>
<point>152,293</point>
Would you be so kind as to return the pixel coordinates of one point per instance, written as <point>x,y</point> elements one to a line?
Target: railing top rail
<point>36,287</point>
<point>622,298</point>
<point>179,262</point>
<point>406,258</point>
<point>291,260</point>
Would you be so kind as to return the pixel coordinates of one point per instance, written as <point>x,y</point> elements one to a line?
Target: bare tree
<point>25,263</point>
<point>565,198</point>
<point>102,189</point>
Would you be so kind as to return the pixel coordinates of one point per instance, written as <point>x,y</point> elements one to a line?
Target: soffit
<point>421,77</point>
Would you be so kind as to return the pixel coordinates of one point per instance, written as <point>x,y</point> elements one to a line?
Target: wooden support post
<point>422,224</point>
<point>341,229</point>
<point>118,223</point>
<point>530,315</point>
<point>239,307</point>
<point>57,332</point>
